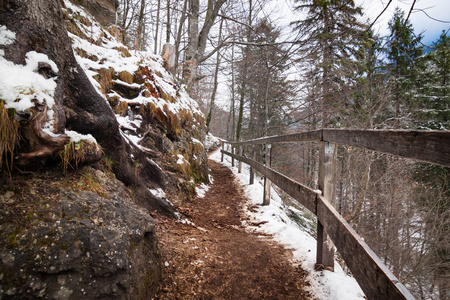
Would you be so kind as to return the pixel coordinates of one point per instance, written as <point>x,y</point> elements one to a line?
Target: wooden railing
<point>373,276</point>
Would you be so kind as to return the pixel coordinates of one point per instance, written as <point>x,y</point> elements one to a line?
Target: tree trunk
<point>216,73</point>
<point>157,26</point>
<point>179,32</point>
<point>168,23</point>
<point>197,40</point>
<point>39,26</point>
<point>243,78</point>
<point>139,35</point>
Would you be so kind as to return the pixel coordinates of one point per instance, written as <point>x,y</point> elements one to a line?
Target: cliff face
<point>96,137</point>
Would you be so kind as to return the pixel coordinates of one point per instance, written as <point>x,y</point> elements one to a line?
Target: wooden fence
<point>373,276</point>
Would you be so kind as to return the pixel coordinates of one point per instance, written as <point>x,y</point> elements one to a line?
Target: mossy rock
<point>126,77</point>
<point>121,108</point>
<point>104,77</point>
<point>123,50</point>
<point>113,101</point>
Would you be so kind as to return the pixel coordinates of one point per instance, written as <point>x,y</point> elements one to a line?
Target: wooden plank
<point>232,157</point>
<point>301,193</point>
<point>327,184</point>
<point>373,276</point>
<point>267,183</point>
<point>431,146</point>
<point>308,136</point>
<point>240,162</point>
<point>252,173</point>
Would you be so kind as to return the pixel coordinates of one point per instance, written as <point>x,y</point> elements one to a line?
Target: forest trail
<point>214,257</point>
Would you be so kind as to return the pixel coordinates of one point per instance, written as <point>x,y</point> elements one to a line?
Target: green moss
<point>113,101</point>
<point>126,77</point>
<point>123,50</point>
<point>121,108</point>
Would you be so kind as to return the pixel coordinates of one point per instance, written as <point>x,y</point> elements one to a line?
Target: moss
<point>121,108</point>
<point>123,50</point>
<point>113,101</point>
<point>104,77</point>
<point>73,28</point>
<point>126,77</point>
<point>83,20</point>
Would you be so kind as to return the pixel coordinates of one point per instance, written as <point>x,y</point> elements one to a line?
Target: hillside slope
<point>94,138</point>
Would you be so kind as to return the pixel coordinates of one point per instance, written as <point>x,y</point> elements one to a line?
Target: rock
<point>82,245</point>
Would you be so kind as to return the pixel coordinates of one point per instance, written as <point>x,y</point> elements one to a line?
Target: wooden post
<point>267,182</point>
<point>223,148</point>
<point>232,158</point>
<point>240,162</point>
<point>252,172</point>
<point>327,184</point>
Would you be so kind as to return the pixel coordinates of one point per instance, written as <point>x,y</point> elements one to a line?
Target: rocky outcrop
<point>75,237</point>
<point>82,234</point>
<point>104,11</point>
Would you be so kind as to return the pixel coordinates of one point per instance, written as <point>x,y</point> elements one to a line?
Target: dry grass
<point>71,155</point>
<point>75,154</point>
<point>9,136</point>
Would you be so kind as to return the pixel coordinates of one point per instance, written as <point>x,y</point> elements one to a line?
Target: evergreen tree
<point>267,91</point>
<point>434,98</point>
<point>404,52</point>
<point>333,35</point>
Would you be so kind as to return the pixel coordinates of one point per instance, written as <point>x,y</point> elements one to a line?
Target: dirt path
<point>217,258</point>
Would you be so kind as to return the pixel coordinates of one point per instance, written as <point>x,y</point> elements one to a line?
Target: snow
<point>158,192</point>
<point>201,190</point>
<point>77,137</point>
<point>211,141</point>
<point>21,85</point>
<point>7,37</point>
<point>181,160</point>
<point>324,285</point>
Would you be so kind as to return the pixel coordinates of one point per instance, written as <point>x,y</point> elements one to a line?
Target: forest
<point>331,71</point>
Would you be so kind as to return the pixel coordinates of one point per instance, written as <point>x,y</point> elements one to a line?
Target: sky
<point>281,11</point>
<point>431,29</point>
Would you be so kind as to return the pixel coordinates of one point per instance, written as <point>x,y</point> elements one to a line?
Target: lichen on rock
<point>68,240</point>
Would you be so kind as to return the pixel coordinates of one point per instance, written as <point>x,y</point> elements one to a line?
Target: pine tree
<point>404,52</point>
<point>434,97</point>
<point>333,35</point>
<point>267,91</point>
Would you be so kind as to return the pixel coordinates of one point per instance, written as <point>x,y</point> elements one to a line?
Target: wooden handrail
<point>373,276</point>
<point>430,146</point>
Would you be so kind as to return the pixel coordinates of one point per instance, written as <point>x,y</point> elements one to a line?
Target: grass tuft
<point>9,136</point>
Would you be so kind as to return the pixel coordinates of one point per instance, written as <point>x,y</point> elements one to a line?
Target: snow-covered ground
<point>324,285</point>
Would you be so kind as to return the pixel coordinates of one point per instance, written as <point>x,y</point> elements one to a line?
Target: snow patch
<point>77,137</point>
<point>181,160</point>
<point>7,37</point>
<point>201,190</point>
<point>21,85</point>
<point>159,192</point>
